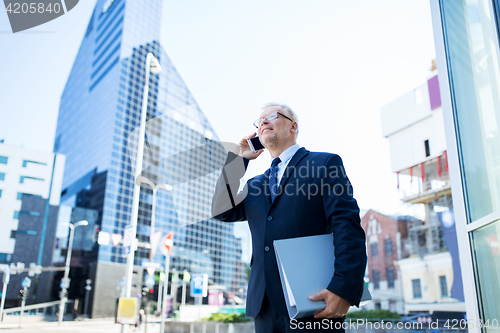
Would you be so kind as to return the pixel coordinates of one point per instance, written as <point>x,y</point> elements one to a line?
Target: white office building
<point>25,172</point>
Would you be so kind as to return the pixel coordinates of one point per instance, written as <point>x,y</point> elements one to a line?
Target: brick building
<point>385,238</point>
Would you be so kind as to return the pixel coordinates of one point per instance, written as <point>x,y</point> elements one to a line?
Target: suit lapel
<point>299,155</point>
<point>265,187</point>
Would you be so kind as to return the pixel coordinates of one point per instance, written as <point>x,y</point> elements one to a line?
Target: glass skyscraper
<point>99,114</point>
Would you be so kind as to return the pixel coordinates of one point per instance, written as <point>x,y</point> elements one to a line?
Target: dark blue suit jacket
<point>315,198</point>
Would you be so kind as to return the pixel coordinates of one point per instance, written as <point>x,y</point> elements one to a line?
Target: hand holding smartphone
<point>255,144</point>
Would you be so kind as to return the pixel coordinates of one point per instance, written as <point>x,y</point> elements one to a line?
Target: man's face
<point>275,131</point>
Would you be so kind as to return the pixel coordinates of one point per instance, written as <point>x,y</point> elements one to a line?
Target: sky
<point>335,63</point>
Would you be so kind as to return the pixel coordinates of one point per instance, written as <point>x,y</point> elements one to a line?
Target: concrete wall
<point>407,122</point>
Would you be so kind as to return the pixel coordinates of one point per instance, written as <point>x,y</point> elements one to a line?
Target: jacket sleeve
<point>342,213</point>
<point>227,203</point>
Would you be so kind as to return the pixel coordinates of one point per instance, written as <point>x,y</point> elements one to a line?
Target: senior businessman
<point>303,193</point>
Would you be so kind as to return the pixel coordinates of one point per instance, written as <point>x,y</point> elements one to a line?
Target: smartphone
<point>255,144</point>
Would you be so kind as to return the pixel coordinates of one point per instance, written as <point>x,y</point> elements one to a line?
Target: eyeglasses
<point>269,117</point>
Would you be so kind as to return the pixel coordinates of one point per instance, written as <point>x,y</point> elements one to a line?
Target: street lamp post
<point>153,66</point>
<point>65,284</point>
<point>143,180</point>
<point>88,288</point>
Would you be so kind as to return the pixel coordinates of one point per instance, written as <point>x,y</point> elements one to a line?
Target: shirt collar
<point>289,152</point>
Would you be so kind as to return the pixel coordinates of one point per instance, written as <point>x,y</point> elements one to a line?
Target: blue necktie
<point>273,178</point>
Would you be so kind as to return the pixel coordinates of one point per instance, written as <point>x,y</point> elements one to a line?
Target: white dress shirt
<point>285,158</point>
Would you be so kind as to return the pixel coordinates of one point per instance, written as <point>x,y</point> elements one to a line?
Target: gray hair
<point>287,110</point>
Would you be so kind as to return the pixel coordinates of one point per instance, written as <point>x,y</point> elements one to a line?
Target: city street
<point>134,133</point>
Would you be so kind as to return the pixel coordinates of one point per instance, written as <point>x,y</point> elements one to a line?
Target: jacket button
<point>266,249</point>
<point>269,218</point>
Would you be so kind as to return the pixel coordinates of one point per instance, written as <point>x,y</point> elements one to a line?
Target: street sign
<point>6,278</point>
<point>34,269</point>
<point>154,240</point>
<point>150,264</point>
<point>103,238</point>
<point>150,280</point>
<point>121,283</point>
<point>65,283</point>
<point>175,277</point>
<point>166,244</point>
<point>16,268</point>
<point>26,282</point>
<point>168,304</point>
<point>186,276</point>
<point>127,240</point>
<point>6,273</point>
<point>199,285</point>
<point>127,309</point>
<point>115,239</point>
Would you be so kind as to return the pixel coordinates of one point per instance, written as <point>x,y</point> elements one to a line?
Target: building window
<point>25,232</point>
<point>2,176</point>
<point>427,148</point>
<point>376,279</point>
<point>27,177</point>
<point>444,286</point>
<point>388,246</point>
<point>25,163</point>
<point>16,213</point>
<point>0,193</point>
<point>417,290</point>
<point>12,234</point>
<point>20,195</point>
<point>390,278</point>
<point>3,159</point>
<point>5,257</point>
<point>29,213</point>
<point>374,249</point>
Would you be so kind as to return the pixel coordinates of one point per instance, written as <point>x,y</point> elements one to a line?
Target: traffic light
<point>95,233</point>
<point>21,295</point>
<point>145,291</point>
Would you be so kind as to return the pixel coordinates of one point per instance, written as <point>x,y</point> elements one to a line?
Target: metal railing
<point>49,308</point>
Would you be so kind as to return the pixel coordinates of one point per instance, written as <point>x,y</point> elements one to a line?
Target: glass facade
<point>487,259</point>
<point>471,50</point>
<point>473,58</point>
<point>99,114</point>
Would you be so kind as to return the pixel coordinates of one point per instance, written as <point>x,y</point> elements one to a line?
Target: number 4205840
<point>33,7</point>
